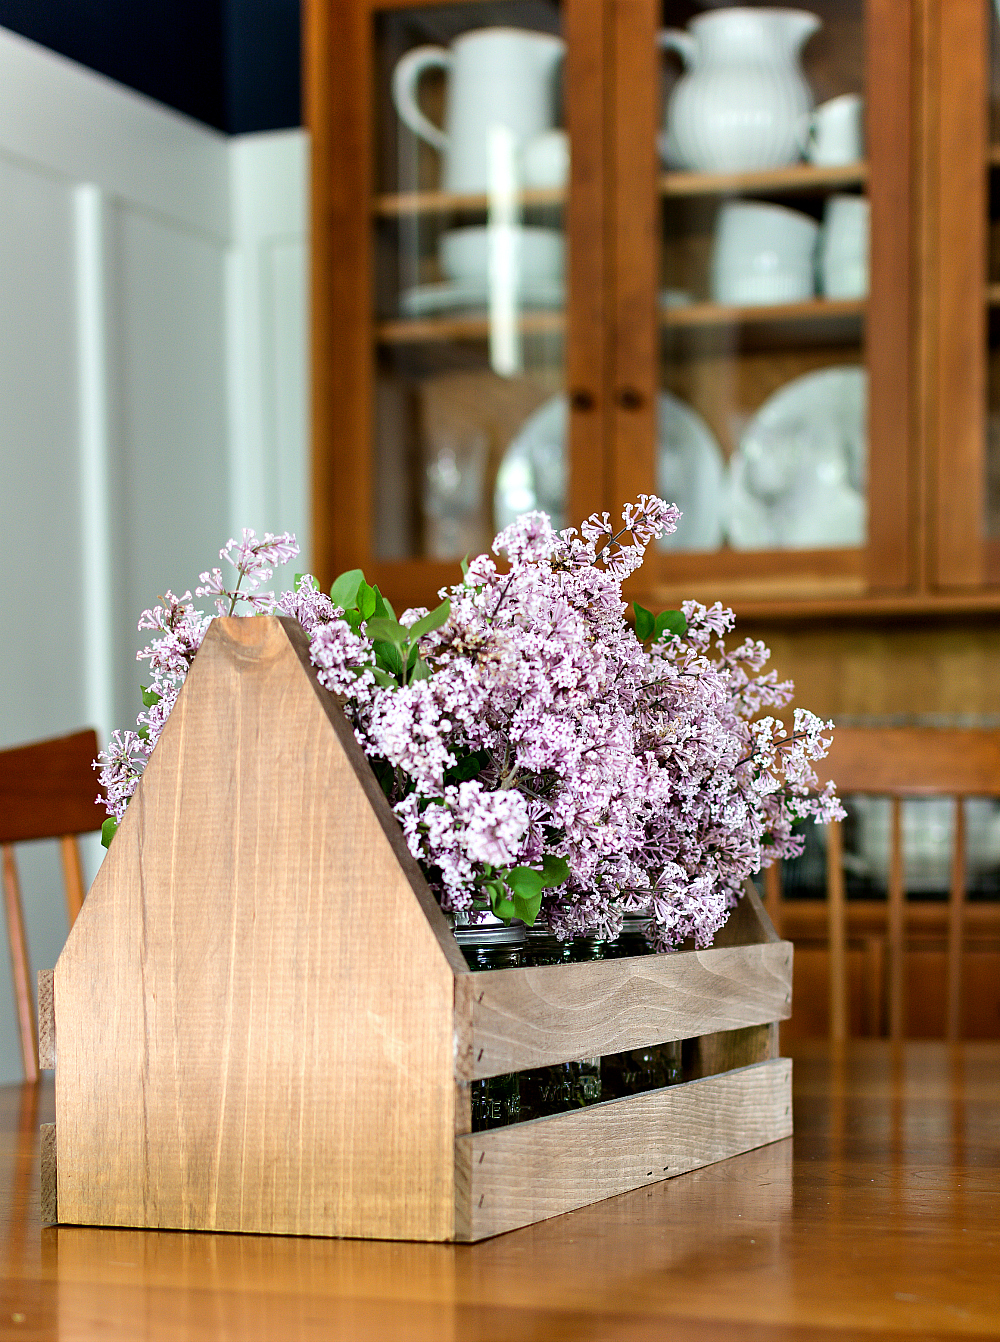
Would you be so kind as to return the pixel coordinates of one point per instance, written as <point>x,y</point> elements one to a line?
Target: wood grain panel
<point>48,1174</point>
<point>587,222</point>
<point>959,273</point>
<point>254,1007</point>
<point>522,1018</point>
<point>49,788</point>
<point>531,1171</point>
<point>914,761</point>
<point>46,1020</point>
<point>894,500</point>
<point>338,99</point>
<point>635,247</point>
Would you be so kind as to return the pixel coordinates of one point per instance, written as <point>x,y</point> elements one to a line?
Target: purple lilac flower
<point>540,726</point>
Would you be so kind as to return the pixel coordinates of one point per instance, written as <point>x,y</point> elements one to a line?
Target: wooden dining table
<point>881,1216</point>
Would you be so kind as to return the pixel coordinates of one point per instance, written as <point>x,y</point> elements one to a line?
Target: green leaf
<point>432,620</point>
<point>386,631</point>
<point>464,565</point>
<point>524,881</point>
<point>671,622</point>
<point>352,618</point>
<point>149,697</point>
<point>390,659</point>
<point>644,622</point>
<point>527,909</point>
<point>382,607</point>
<point>366,601</point>
<point>143,733</point>
<point>502,906</point>
<point>555,870</point>
<point>464,769</point>
<point>344,591</point>
<point>108,831</point>
<point>384,678</point>
<point>421,671</point>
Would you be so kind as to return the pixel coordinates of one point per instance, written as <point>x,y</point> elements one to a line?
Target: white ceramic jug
<point>741,102</point>
<point>496,77</point>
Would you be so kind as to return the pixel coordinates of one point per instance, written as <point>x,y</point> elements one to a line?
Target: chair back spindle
<point>899,763</point>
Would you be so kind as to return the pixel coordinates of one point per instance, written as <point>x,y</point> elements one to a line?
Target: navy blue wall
<point>233,64</point>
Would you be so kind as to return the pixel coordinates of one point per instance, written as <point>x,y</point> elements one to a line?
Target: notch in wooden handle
<point>46,1019</point>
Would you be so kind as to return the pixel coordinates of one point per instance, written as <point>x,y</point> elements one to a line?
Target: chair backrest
<point>900,763</point>
<point>48,790</point>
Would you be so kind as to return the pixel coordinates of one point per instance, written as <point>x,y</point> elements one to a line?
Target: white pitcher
<point>496,77</point>
<point>741,102</point>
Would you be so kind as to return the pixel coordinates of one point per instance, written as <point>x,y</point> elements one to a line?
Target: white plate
<point>689,473</point>
<point>798,479</point>
<point>425,299</point>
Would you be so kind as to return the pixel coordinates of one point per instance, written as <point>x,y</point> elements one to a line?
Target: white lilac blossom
<point>254,561</point>
<point>527,738</point>
<point>178,631</point>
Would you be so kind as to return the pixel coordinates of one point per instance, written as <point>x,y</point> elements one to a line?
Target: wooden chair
<point>898,763</point>
<point>47,791</point>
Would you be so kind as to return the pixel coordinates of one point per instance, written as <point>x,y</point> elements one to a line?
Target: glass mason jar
<point>642,1068</point>
<point>496,1100</point>
<point>565,1085</point>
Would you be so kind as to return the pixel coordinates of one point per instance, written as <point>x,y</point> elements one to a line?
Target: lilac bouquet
<point>543,758</point>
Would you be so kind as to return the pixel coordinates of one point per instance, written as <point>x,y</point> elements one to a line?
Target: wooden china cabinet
<point>492,332</point>
<point>439,408</point>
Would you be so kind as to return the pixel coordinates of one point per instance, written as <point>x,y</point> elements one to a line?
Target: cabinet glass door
<point>470,274</point>
<point>760,418</point>
<point>762,410</point>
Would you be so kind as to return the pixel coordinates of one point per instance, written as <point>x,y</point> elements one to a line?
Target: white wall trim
<point>56,114</point>
<point>95,505</point>
<point>266,316</point>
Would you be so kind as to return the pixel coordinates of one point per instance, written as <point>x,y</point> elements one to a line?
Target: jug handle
<point>405,79</point>
<point>675,39</point>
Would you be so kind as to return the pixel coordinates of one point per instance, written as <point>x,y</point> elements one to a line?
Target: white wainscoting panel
<point>153,372</point>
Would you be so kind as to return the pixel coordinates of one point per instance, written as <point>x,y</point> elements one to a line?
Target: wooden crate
<point>263,1022</point>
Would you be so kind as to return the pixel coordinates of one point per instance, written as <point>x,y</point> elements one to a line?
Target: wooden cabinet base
<point>262,1022</point>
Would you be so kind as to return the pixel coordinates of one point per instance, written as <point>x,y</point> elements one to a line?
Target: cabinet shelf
<point>473,327</point>
<point>449,202</point>
<point>796,177</point>
<point>719,314</point>
<point>476,326</point>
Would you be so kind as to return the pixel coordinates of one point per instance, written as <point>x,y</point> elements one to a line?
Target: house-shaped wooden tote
<point>264,1024</point>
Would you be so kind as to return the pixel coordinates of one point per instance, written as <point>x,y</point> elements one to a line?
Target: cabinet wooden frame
<point>261,1021</point>
<point>956,350</point>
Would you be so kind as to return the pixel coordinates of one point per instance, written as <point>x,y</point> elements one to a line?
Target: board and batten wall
<point>153,375</point>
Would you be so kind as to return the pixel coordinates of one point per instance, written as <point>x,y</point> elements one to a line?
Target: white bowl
<point>539,255</point>
<point>763,254</point>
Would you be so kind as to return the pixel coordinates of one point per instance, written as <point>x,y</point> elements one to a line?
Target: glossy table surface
<point>880,1217</point>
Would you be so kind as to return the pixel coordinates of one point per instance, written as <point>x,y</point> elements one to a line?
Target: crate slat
<point>265,1024</point>
<point>508,1020</point>
<point>514,1176</point>
<point>524,1018</point>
